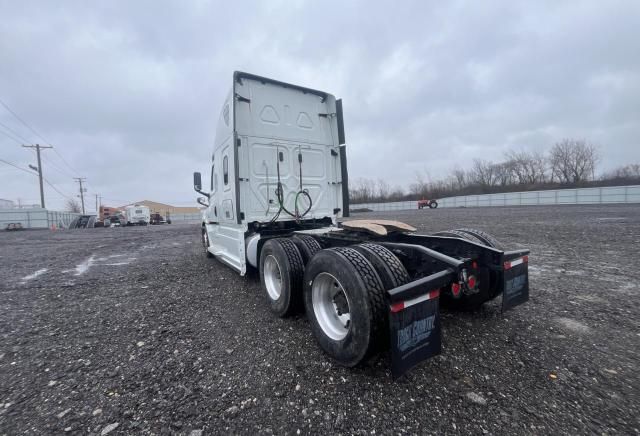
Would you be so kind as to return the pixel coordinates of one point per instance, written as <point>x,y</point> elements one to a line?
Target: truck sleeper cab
<point>277,187</point>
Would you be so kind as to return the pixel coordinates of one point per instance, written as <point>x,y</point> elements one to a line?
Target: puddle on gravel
<point>572,325</point>
<point>589,298</point>
<point>628,289</point>
<point>613,218</point>
<point>34,275</point>
<point>83,267</point>
<point>125,262</point>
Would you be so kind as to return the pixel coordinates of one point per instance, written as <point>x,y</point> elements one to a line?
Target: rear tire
<point>346,306</point>
<point>281,274</point>
<point>307,245</point>
<point>391,271</point>
<point>460,235</point>
<point>487,239</point>
<point>433,204</point>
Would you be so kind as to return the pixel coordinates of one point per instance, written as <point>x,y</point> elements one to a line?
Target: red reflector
<point>525,259</point>
<point>471,282</point>
<point>455,289</point>
<point>474,265</point>
<point>397,307</point>
<point>507,265</point>
<point>434,294</point>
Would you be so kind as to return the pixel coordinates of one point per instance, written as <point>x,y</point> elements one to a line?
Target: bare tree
<point>484,172</point>
<point>527,168</point>
<point>397,193</point>
<point>631,171</point>
<point>73,206</point>
<point>419,188</point>
<point>461,177</point>
<point>504,173</point>
<point>383,189</point>
<point>573,161</point>
<point>362,190</point>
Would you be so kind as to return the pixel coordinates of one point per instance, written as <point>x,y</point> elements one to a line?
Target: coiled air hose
<point>301,193</point>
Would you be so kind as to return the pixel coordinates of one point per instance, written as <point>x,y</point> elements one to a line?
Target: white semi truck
<point>137,215</point>
<point>278,185</point>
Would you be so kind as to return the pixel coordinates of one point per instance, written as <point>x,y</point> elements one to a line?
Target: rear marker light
<point>401,305</point>
<point>515,262</point>
<point>455,290</point>
<point>471,282</point>
<point>397,307</point>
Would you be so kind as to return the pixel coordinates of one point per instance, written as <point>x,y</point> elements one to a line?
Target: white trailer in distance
<point>137,215</point>
<point>277,186</point>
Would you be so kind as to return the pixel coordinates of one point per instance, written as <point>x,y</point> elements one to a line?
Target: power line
<point>35,174</point>
<point>16,166</point>
<point>10,136</point>
<point>37,134</point>
<point>65,162</point>
<point>23,121</point>
<point>56,167</point>
<point>13,132</point>
<point>56,189</point>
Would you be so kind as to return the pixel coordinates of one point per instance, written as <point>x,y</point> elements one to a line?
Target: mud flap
<point>516,283</point>
<point>415,332</point>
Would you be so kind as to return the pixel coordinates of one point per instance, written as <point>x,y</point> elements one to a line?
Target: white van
<point>137,215</point>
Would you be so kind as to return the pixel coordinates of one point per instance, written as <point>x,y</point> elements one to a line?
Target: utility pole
<point>38,147</point>
<point>80,180</point>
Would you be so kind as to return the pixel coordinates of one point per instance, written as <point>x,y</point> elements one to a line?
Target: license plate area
<point>516,284</point>
<point>415,332</point>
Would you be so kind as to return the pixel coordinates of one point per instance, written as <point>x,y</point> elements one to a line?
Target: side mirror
<point>197,182</point>
<point>201,201</point>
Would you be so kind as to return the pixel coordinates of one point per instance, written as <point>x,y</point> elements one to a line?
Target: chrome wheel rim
<point>331,306</point>
<point>272,277</point>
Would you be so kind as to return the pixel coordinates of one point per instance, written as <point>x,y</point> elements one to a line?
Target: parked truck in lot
<point>137,215</point>
<point>277,189</point>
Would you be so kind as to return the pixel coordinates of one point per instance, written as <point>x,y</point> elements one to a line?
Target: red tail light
<point>471,282</point>
<point>455,290</point>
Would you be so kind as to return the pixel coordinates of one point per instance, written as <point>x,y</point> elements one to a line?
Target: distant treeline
<point>570,163</point>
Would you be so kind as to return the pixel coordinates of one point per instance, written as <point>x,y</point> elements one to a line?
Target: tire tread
<point>490,240</point>
<point>376,295</point>
<point>398,271</point>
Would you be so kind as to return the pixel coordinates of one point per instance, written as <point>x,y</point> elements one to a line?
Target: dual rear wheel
<point>342,290</point>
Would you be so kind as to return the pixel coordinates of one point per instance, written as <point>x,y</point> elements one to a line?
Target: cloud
<point>129,93</point>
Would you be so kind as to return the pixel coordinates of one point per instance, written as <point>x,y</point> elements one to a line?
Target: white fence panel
<point>604,195</point>
<point>36,218</point>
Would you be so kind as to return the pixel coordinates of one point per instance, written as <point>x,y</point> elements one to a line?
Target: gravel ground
<point>134,330</point>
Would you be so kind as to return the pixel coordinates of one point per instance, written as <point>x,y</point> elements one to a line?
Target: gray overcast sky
<point>129,92</point>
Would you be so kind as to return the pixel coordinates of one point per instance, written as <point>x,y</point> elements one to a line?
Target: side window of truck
<point>225,170</point>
